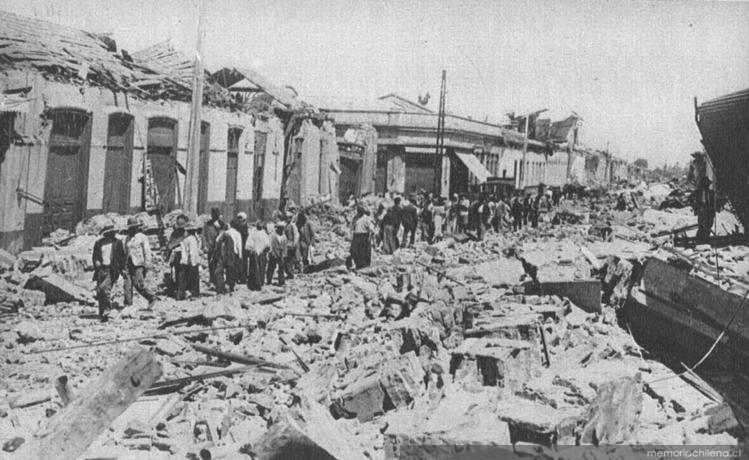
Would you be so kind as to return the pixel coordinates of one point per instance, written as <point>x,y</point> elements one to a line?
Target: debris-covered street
<point>373,230</point>
<point>451,343</point>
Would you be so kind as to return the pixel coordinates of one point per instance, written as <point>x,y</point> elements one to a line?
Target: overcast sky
<point>630,69</point>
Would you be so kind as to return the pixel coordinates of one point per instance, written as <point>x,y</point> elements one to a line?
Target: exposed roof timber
<point>76,55</point>
<point>280,94</point>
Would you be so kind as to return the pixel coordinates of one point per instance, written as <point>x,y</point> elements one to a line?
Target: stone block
<point>495,362</point>
<point>374,388</point>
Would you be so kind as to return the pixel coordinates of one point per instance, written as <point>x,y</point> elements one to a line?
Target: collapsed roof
<point>65,53</point>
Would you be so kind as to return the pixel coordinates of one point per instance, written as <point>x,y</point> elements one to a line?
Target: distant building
<point>406,159</point>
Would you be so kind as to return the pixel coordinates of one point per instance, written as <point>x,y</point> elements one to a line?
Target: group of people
<point>237,253</point>
<point>395,225</point>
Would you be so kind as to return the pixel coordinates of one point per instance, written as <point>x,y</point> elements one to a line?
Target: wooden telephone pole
<point>440,145</point>
<point>192,177</point>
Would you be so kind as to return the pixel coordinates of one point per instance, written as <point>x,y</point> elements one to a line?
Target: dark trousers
<point>188,279</point>
<point>105,279</point>
<point>409,235</point>
<point>242,267</point>
<point>256,265</point>
<point>517,222</point>
<point>361,251</point>
<point>136,279</point>
<point>274,262</point>
<point>216,265</point>
<point>291,262</point>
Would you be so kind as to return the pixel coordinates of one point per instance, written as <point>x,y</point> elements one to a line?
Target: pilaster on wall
<point>396,170</point>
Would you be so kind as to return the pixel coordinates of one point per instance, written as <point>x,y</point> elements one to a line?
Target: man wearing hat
<point>703,203</point>
<point>258,246</point>
<point>173,253</point>
<point>189,271</point>
<point>109,262</point>
<point>211,230</point>
<point>277,256</point>
<point>138,260</point>
<point>291,232</point>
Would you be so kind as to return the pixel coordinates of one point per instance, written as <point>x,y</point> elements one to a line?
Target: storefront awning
<point>474,165</point>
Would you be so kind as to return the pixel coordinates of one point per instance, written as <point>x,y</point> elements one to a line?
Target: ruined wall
<point>330,163</point>
<point>23,171</point>
<point>556,169</point>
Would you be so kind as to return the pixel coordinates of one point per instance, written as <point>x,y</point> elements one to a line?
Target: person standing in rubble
<point>220,257</point>
<point>452,214</point>
<point>173,252</point>
<point>257,247</point>
<point>503,213</point>
<point>242,228</point>
<point>390,224</point>
<point>535,210</point>
<point>517,213</point>
<point>409,220</point>
<point>109,260</point>
<point>211,230</point>
<point>703,203</point>
<point>362,229</point>
<point>291,232</point>
<point>527,209</point>
<point>306,238</point>
<point>189,277</point>
<point>464,205</point>
<point>438,218</point>
<point>138,260</point>
<point>278,253</point>
<point>426,220</point>
<point>232,253</point>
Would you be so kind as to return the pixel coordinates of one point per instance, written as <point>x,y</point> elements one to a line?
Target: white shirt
<point>236,237</point>
<point>190,248</point>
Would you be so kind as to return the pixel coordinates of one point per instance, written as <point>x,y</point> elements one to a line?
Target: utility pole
<point>192,178</point>
<point>524,164</point>
<point>440,146</point>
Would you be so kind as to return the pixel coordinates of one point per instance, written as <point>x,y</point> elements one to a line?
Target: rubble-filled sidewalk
<point>501,342</point>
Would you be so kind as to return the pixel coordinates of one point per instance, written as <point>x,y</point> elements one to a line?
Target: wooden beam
<point>75,427</point>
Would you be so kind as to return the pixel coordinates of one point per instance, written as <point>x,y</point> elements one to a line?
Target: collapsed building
<point>89,129</point>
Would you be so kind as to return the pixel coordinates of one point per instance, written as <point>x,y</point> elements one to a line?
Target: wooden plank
<point>74,428</point>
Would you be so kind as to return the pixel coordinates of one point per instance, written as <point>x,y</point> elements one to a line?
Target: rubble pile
<point>506,341</point>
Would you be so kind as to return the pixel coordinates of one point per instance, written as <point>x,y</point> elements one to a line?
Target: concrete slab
<point>586,294</point>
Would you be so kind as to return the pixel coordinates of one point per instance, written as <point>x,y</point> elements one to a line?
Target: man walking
<point>517,214</point>
<point>173,252</point>
<point>189,272</point>
<point>233,251</point>
<point>362,229</point>
<point>138,261</point>
<point>291,232</point>
<point>704,206</point>
<point>109,262</point>
<point>257,248</point>
<point>278,252</point>
<point>390,225</point>
<point>409,220</point>
<point>210,235</point>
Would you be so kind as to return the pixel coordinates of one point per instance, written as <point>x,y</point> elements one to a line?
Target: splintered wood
<point>72,430</point>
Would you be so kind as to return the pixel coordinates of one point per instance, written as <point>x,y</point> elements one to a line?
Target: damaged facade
<point>84,124</point>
